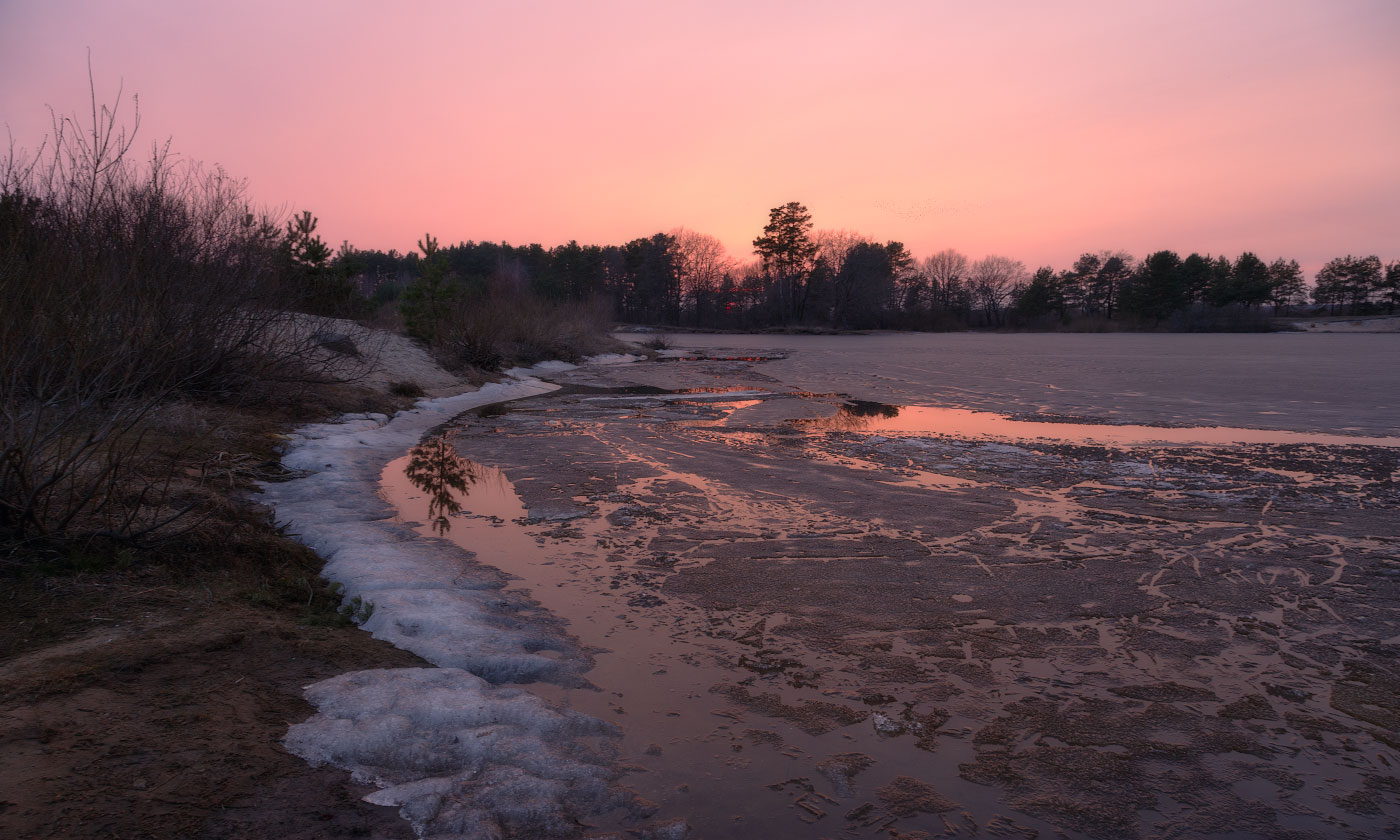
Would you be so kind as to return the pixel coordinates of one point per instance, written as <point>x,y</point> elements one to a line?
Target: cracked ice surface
<point>460,754</point>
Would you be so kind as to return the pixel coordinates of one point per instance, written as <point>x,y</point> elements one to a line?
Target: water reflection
<point>854,416</point>
<point>435,468</point>
<point>879,418</point>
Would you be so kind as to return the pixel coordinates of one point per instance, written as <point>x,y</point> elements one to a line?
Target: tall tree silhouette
<point>786,249</point>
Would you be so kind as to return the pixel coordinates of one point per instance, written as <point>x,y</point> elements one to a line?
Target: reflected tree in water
<point>857,414</point>
<point>853,416</point>
<point>435,468</point>
<point>865,408</point>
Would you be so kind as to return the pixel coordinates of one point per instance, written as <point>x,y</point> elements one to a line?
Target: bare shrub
<point>407,389</point>
<point>126,284</point>
<point>509,326</point>
<point>386,317</point>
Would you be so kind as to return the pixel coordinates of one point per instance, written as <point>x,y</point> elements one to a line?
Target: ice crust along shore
<point>429,596</point>
<point>460,753</point>
<point>460,757</point>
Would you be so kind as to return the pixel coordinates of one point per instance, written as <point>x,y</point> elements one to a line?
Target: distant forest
<point>806,278</point>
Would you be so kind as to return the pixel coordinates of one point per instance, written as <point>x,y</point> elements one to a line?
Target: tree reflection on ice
<point>435,468</point>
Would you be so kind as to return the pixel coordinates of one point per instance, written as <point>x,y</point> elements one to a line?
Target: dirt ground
<point>148,697</point>
<point>168,724</point>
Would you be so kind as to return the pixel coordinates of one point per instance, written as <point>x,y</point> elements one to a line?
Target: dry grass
<point>227,548</point>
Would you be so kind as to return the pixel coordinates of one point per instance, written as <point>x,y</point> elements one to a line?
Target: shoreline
<point>184,664</point>
<point>529,766</point>
<point>152,699</point>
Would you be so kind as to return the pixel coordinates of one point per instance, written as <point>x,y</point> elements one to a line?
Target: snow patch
<point>542,368</point>
<point>459,753</point>
<point>460,757</point>
<point>613,359</point>
<point>537,369</point>
<point>429,596</point>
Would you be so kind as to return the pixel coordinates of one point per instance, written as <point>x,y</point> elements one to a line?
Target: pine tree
<point>427,302</point>
<point>786,249</point>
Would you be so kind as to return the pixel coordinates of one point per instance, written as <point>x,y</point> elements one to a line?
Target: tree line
<point>804,277</point>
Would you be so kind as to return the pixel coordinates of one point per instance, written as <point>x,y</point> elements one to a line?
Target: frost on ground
<point>460,753</point>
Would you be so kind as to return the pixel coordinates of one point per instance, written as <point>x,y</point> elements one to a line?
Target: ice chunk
<point>461,757</point>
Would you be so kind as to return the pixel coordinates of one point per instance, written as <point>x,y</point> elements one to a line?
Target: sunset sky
<point>1031,129</point>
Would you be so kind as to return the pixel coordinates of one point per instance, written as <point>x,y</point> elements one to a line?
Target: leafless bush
<point>517,327</point>
<point>406,388</point>
<point>125,284</point>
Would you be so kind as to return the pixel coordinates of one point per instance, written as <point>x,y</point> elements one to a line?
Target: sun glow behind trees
<point>1028,129</point>
<point>804,277</point>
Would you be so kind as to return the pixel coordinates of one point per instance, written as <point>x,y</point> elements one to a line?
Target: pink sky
<point>1031,129</point>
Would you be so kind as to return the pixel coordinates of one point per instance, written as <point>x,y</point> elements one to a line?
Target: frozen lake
<point>799,597</point>
<point>1285,381</point>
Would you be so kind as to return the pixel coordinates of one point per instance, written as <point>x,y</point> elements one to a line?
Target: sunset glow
<point>778,419</point>
<point>1033,130</point>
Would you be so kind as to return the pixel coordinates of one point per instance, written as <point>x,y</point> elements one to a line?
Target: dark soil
<point>145,688</point>
<point>169,726</point>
